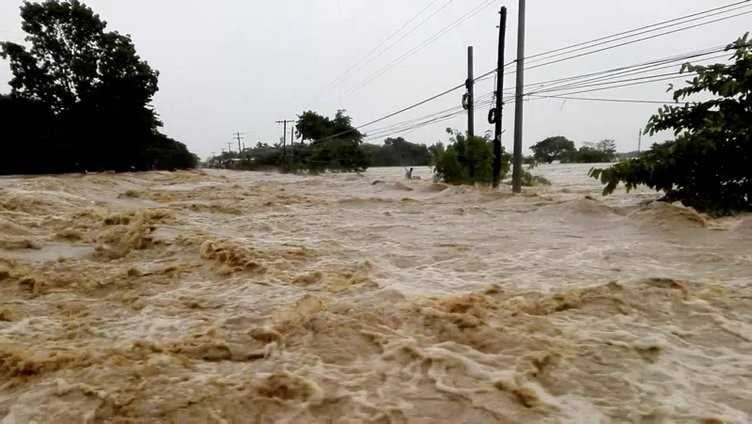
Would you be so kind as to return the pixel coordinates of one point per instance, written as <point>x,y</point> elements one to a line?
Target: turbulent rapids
<point>216,296</point>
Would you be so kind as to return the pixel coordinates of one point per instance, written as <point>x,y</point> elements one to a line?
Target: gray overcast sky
<point>231,65</point>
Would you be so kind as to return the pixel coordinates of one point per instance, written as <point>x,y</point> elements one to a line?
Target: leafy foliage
<point>398,152</point>
<point>707,166</point>
<point>335,146</point>
<point>553,148</point>
<point>600,152</point>
<point>466,160</point>
<point>316,128</point>
<point>91,91</point>
<point>335,143</point>
<point>530,180</point>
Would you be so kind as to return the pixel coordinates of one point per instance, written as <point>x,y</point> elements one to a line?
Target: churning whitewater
<point>229,297</point>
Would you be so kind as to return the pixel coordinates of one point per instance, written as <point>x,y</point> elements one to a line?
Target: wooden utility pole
<point>499,100</point>
<point>284,135</point>
<point>470,85</point>
<point>229,147</point>
<point>517,156</point>
<point>239,136</point>
<point>639,143</point>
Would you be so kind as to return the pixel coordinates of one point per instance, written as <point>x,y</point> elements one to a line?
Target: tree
<point>398,152</point>
<point>607,147</point>
<point>28,146</point>
<point>600,152</point>
<point>465,160</point>
<point>314,127</point>
<point>335,143</point>
<point>707,165</point>
<point>97,87</point>
<point>552,148</point>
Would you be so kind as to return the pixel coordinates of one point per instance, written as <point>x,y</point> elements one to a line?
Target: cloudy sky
<point>231,65</point>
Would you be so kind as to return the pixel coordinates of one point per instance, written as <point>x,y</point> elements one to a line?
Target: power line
<point>413,106</point>
<point>627,84</point>
<point>444,6</point>
<point>423,45</point>
<point>655,64</point>
<point>604,85</point>
<point>639,31</point>
<point>601,99</point>
<point>579,80</point>
<point>487,74</point>
<point>590,84</point>
<point>635,41</point>
<point>392,35</point>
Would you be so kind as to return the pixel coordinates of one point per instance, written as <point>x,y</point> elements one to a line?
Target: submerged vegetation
<point>707,165</point>
<point>466,160</point>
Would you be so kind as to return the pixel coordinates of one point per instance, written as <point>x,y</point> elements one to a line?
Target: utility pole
<point>238,136</point>
<point>292,141</point>
<point>470,85</point>
<point>499,100</point>
<point>517,157</point>
<point>639,143</point>
<point>284,135</point>
<point>229,147</point>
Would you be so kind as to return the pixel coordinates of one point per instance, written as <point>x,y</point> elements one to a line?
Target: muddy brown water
<point>229,297</point>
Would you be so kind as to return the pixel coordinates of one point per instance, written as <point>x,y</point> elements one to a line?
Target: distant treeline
<point>562,149</point>
<point>333,154</point>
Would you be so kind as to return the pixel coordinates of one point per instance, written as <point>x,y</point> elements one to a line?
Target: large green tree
<point>314,127</point>
<point>552,148</point>
<point>93,81</point>
<point>334,143</point>
<point>707,165</point>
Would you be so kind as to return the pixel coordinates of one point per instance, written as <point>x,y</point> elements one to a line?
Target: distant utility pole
<point>229,147</point>
<point>639,143</point>
<point>292,141</point>
<point>284,135</point>
<point>499,100</point>
<point>238,137</point>
<point>517,157</point>
<point>470,85</point>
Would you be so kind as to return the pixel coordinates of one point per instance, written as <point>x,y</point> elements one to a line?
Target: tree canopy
<point>600,152</point>
<point>552,148</point>
<point>398,152</point>
<point>707,165</point>
<point>314,127</point>
<point>334,143</point>
<point>91,92</point>
<point>466,160</point>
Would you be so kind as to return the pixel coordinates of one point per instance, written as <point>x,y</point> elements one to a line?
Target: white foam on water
<point>220,296</point>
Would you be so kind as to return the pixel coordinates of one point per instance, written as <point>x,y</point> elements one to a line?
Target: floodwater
<point>228,297</point>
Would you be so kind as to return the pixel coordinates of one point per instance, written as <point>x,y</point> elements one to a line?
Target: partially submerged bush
<point>466,160</point>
